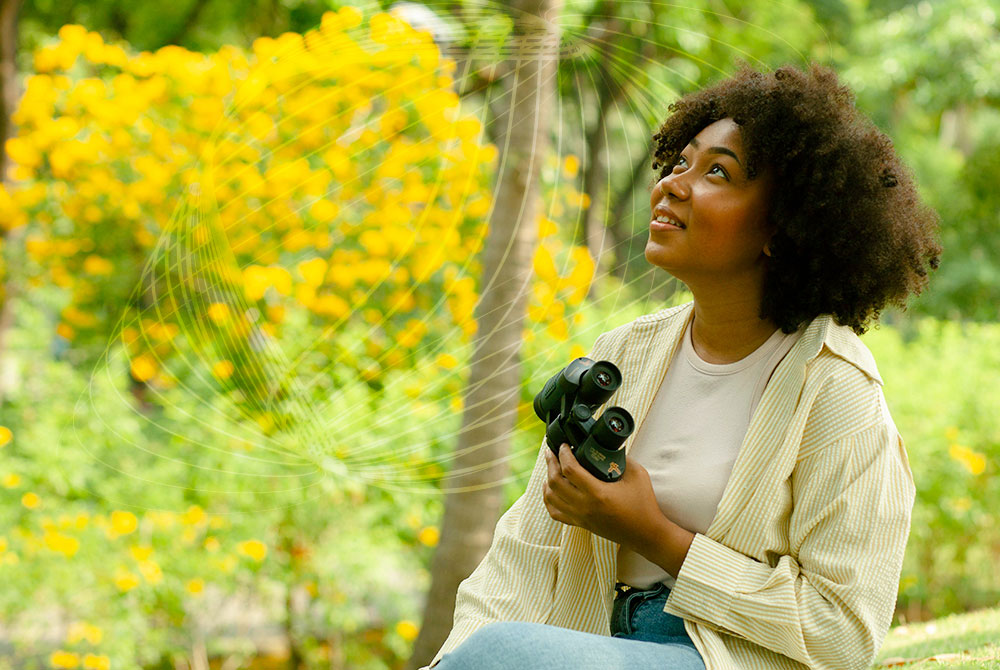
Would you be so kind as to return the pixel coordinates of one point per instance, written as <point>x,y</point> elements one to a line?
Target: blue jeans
<point>644,637</point>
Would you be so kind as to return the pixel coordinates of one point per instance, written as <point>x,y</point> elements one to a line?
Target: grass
<point>959,642</point>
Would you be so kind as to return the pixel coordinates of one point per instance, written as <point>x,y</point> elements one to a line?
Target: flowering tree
<point>278,248</point>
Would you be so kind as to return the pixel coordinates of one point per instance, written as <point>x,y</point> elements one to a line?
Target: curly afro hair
<point>851,234</point>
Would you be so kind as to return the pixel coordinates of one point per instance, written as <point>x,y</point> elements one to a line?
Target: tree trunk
<point>475,495</point>
<point>621,229</point>
<point>9,95</point>
<point>609,93</point>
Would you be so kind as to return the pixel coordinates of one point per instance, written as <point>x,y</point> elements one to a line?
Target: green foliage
<point>941,389</point>
<point>962,641</point>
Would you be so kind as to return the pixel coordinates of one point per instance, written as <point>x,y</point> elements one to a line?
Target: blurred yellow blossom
<point>64,659</point>
<point>447,361</point>
<point>5,435</point>
<point>429,536</point>
<point>571,165</point>
<point>223,369</point>
<point>151,571</point>
<point>62,544</point>
<point>195,586</point>
<point>194,516</point>
<point>122,523</point>
<point>125,580</point>
<point>973,461</point>
<point>31,500</point>
<point>218,313</point>
<point>96,662</point>
<point>10,480</point>
<point>143,367</point>
<point>81,630</point>
<point>254,549</point>
<point>140,553</point>
<point>407,630</point>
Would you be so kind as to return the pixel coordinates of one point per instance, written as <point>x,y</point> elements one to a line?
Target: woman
<point>764,511</point>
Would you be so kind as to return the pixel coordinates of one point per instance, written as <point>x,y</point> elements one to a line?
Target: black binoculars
<point>566,406</point>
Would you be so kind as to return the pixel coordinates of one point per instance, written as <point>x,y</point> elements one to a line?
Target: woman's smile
<point>721,211</point>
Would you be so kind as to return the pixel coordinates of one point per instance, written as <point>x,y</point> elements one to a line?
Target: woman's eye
<point>681,162</point>
<point>718,169</point>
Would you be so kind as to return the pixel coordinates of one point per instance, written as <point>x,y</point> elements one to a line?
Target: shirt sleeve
<point>516,579</point>
<point>829,603</point>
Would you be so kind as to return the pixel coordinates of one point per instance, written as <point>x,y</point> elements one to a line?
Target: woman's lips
<point>660,226</point>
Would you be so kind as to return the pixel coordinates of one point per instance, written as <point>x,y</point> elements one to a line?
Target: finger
<point>572,471</point>
<point>553,504</point>
<point>552,466</point>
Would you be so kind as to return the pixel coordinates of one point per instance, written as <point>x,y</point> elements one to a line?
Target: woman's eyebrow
<point>718,150</point>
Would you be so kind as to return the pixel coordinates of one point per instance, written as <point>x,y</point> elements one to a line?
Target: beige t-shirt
<point>691,436</point>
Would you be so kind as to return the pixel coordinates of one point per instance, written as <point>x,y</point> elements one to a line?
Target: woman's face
<point>721,211</point>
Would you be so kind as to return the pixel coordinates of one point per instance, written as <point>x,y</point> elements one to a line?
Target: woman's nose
<point>672,185</point>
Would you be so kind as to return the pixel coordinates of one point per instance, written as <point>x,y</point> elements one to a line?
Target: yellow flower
<point>195,586</point>
<point>350,17</point>
<point>123,523</point>
<point>62,544</point>
<point>5,435</point>
<point>447,361</point>
<point>571,165</point>
<point>23,152</point>
<point>125,580</point>
<point>140,553</point>
<point>96,662</point>
<point>218,312</point>
<point>80,630</point>
<point>223,369</point>
<point>95,265</point>
<point>324,210</point>
<point>151,571</point>
<point>193,516</point>
<point>407,630</point>
<point>313,271</point>
<point>10,480</point>
<point>544,265</point>
<point>143,367</point>
<point>254,549</point>
<point>64,659</point>
<point>31,500</point>
<point>973,461</point>
<point>211,544</point>
<point>429,536</point>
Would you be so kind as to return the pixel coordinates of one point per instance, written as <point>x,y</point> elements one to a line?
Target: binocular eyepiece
<point>566,404</point>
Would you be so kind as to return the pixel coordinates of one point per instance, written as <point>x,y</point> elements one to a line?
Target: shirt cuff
<point>707,582</point>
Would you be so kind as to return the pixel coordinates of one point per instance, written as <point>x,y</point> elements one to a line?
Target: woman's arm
<point>828,604</point>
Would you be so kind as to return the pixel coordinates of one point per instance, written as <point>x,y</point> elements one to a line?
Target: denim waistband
<point>638,614</point>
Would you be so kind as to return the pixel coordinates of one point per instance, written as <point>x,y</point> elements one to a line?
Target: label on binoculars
<point>596,455</point>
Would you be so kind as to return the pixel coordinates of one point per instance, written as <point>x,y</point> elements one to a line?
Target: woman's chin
<point>655,255</point>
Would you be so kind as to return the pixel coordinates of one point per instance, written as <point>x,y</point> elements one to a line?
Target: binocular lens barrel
<point>612,428</point>
<point>600,382</point>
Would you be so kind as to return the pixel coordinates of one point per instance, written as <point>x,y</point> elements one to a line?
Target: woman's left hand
<point>624,511</point>
<point>621,511</point>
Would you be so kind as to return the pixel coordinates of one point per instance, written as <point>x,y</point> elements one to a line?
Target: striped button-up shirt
<point>800,566</point>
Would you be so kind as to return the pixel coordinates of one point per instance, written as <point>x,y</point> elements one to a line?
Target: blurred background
<point>280,279</point>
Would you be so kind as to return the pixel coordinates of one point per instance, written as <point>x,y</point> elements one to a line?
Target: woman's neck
<point>726,330</point>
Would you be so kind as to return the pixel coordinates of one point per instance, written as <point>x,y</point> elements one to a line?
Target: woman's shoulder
<point>846,398</point>
<point>614,340</point>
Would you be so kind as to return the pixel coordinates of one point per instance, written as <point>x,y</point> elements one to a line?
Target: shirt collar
<point>822,331</point>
